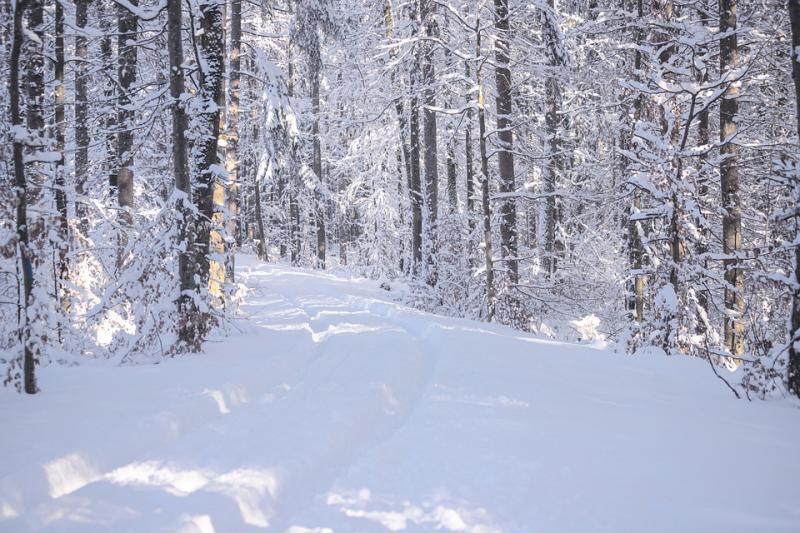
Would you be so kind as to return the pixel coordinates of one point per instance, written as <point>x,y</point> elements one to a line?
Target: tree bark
<point>29,347</point>
<point>232,148</point>
<point>729,183</point>
<point>415,187</point>
<point>127,24</point>
<point>425,50</point>
<point>212,47</point>
<point>189,334</point>
<point>794,344</point>
<point>553,247</point>
<point>81,115</point>
<point>485,205</point>
<point>60,185</point>
<point>505,136</point>
<point>317,162</point>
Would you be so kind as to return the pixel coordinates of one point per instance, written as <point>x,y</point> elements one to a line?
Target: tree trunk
<point>415,187</point>
<point>60,186</point>
<point>425,51</point>
<point>505,136</point>
<point>212,47</point>
<point>317,163</point>
<point>232,148</point>
<point>388,19</point>
<point>34,105</point>
<point>794,344</point>
<point>294,208</point>
<point>188,321</point>
<point>486,207</point>
<point>553,247</point>
<point>729,184</point>
<point>29,346</point>
<point>81,116</point>
<point>469,164</point>
<point>127,24</point>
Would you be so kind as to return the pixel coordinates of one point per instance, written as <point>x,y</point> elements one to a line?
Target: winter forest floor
<point>330,407</point>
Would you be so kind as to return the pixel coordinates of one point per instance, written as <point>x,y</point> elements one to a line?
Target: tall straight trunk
<point>636,250</point>
<point>294,207</point>
<point>485,205</point>
<point>703,138</point>
<point>212,47</point>
<point>415,186</point>
<point>470,171</point>
<point>232,148</point>
<point>553,247</point>
<point>34,104</point>
<point>188,333</point>
<point>425,51</point>
<point>729,183</point>
<point>220,260</point>
<point>505,136</point>
<point>109,92</point>
<point>127,24</point>
<point>81,115</point>
<point>388,19</point>
<point>794,341</point>
<point>60,184</point>
<point>319,196</point>
<point>29,346</point>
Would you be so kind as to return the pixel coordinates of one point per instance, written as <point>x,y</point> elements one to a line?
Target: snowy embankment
<point>336,409</point>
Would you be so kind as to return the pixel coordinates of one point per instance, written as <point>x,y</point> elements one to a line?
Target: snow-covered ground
<point>336,409</point>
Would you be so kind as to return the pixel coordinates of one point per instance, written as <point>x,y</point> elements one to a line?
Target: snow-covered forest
<point>615,181</point>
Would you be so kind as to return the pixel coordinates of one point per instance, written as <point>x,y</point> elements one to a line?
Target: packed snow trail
<point>333,408</point>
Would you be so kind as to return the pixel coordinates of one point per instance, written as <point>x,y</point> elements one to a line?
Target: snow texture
<point>336,409</point>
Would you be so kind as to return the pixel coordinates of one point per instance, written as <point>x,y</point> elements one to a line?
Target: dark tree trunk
<point>212,47</point>
<point>553,247</point>
<point>317,163</point>
<point>60,185</point>
<point>415,187</point>
<point>729,183</point>
<point>189,334</point>
<point>29,346</point>
<point>794,345</point>
<point>81,116</point>
<point>505,136</point>
<point>485,205</point>
<point>232,147</point>
<point>127,24</point>
<point>425,50</point>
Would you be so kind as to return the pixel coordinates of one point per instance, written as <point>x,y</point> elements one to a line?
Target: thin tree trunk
<point>29,346</point>
<point>388,19</point>
<point>505,136</point>
<point>232,148</point>
<point>470,171</point>
<point>319,195</point>
<point>553,247</point>
<point>486,207</point>
<point>729,184</point>
<point>425,51</point>
<point>703,138</point>
<point>415,186</point>
<point>81,116</point>
<point>127,24</point>
<point>294,207</point>
<point>34,105</point>
<point>794,344</point>
<point>60,186</point>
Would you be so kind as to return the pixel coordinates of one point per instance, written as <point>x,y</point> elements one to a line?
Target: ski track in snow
<point>336,409</point>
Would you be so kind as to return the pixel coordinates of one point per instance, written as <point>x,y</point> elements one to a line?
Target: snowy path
<point>337,408</point>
